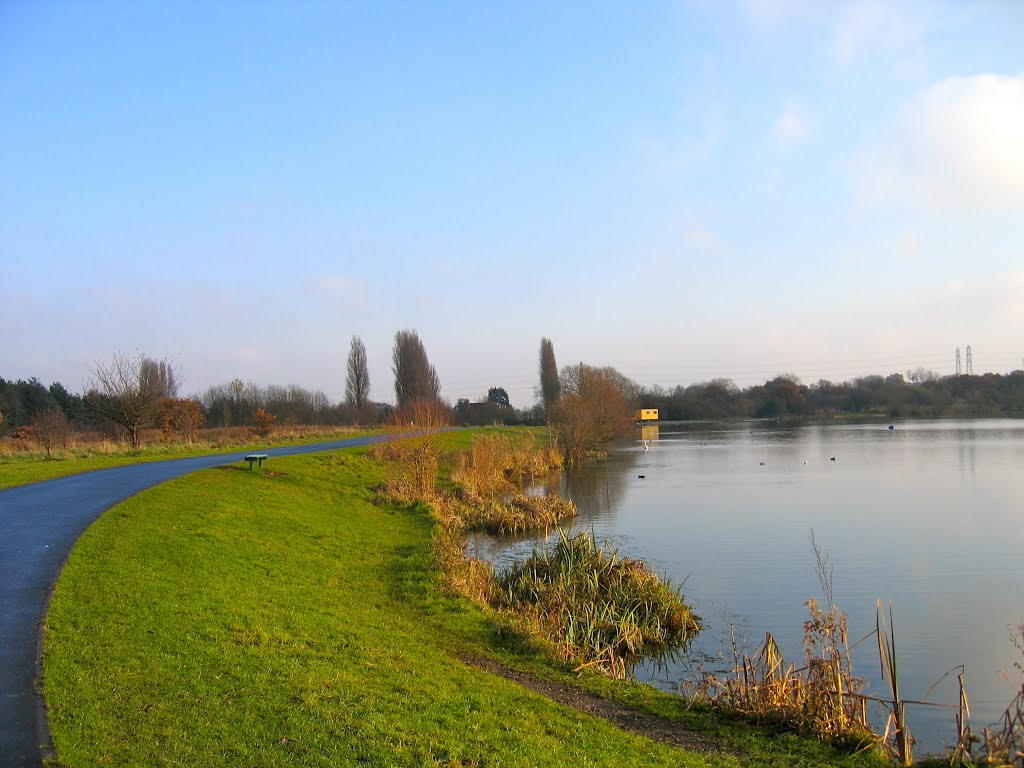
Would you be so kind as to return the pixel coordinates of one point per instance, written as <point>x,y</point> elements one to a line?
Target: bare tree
<point>129,390</point>
<point>592,413</point>
<point>415,377</point>
<point>549,384</point>
<point>50,428</point>
<point>573,377</point>
<point>357,383</point>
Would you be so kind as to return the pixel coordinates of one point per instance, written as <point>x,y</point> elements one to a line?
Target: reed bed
<point>496,465</point>
<point>594,607</point>
<point>488,479</point>
<point>519,514</point>
<point>587,604</point>
<point>410,468</point>
<point>1004,743</point>
<point>820,697</point>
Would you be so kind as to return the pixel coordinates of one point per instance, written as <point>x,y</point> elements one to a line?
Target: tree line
<point>585,405</point>
<point>892,396</point>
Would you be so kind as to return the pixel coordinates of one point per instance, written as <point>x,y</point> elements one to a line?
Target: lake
<point>928,515</point>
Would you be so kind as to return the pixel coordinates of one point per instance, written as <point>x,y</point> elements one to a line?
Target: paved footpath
<point>39,524</point>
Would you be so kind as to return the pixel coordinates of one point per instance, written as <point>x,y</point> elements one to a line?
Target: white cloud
<point>791,127</point>
<point>868,30</point>
<point>908,245</point>
<point>338,290</point>
<point>767,15</point>
<point>956,148</point>
<point>853,33</point>
<point>705,240</point>
<point>681,153</point>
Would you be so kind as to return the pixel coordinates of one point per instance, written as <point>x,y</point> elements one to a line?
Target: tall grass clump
<point>411,455</point>
<point>897,732</point>
<point>595,608</point>
<point>488,479</point>
<point>496,465</point>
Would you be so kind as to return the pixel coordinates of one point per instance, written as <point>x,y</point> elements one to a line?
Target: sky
<point>682,190</point>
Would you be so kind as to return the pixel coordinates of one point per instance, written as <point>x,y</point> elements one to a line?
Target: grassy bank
<point>289,618</point>
<point>32,466</point>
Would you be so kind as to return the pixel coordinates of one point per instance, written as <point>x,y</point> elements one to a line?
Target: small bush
<point>263,423</point>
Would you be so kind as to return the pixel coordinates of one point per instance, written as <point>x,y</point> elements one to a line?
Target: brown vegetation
<point>180,417</point>
<point>262,423</point>
<point>590,413</point>
<point>51,428</point>
<point>129,390</point>
<point>589,606</point>
<point>821,697</point>
<point>1004,744</point>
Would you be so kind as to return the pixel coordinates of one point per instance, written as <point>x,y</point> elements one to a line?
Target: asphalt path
<point>39,524</point>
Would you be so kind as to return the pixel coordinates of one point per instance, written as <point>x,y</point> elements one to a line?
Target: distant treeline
<point>990,394</point>
<point>234,404</point>
<point>227,405</point>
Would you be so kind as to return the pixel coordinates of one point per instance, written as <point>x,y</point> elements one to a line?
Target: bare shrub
<point>51,428</point>
<point>589,415</point>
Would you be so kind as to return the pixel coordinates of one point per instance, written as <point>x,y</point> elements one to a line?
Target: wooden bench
<point>255,457</point>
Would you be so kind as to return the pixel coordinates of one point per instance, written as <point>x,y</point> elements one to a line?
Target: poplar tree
<point>357,383</point>
<point>415,377</point>
<point>550,388</point>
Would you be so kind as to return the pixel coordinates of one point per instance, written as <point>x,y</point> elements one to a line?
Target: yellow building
<point>647,414</point>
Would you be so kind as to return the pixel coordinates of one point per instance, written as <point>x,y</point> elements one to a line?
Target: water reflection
<point>599,488</point>
<point>649,433</point>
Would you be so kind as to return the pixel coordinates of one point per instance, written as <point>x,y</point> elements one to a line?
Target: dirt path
<point>654,727</point>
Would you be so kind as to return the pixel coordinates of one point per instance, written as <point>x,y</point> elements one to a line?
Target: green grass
<point>234,618</point>
<point>25,468</point>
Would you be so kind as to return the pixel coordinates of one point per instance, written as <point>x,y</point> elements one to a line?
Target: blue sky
<point>680,190</point>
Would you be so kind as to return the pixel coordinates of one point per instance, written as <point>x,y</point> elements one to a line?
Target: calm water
<point>928,515</point>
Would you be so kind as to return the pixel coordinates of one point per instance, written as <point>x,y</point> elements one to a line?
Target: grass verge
<point>288,618</point>
<point>24,468</point>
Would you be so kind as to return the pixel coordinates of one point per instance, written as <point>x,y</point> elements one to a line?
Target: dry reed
<point>822,697</point>
<point>1004,743</point>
